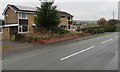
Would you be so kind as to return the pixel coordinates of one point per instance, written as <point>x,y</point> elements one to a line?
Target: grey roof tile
<point>33,9</point>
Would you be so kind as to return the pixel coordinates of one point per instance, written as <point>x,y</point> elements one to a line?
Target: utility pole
<point>113,15</point>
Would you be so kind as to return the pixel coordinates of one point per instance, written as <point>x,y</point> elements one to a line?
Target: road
<point>99,53</point>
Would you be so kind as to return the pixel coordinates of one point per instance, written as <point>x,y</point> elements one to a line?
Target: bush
<point>90,30</point>
<point>99,30</point>
<point>59,30</point>
<point>12,38</point>
<point>102,30</point>
<point>118,28</point>
<point>78,30</point>
<point>95,30</point>
<point>110,28</point>
<point>29,37</point>
<point>82,34</point>
<point>19,36</point>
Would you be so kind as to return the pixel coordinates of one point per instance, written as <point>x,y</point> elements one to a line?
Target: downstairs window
<point>23,28</point>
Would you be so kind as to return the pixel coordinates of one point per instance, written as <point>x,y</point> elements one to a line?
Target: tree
<point>101,22</point>
<point>112,22</point>
<point>47,16</point>
<point>111,25</point>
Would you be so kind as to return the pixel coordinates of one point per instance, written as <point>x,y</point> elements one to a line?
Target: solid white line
<point>77,53</point>
<point>106,41</point>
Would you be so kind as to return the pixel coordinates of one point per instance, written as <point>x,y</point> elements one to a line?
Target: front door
<point>13,30</point>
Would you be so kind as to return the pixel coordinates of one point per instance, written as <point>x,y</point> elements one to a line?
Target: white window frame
<point>70,19</point>
<point>22,17</point>
<point>1,30</point>
<point>21,26</point>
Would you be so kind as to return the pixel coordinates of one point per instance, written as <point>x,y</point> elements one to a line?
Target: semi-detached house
<point>20,19</point>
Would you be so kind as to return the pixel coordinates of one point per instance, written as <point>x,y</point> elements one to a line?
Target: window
<point>23,28</point>
<point>1,29</point>
<point>62,16</point>
<point>78,27</point>
<point>71,27</point>
<point>23,16</point>
<point>69,18</point>
<point>69,22</point>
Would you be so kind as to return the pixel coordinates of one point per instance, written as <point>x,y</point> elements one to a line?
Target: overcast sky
<point>80,9</point>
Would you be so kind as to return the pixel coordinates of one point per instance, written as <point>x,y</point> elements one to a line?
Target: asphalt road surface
<point>99,53</point>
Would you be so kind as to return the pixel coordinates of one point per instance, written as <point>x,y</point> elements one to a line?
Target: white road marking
<point>106,41</point>
<point>77,53</point>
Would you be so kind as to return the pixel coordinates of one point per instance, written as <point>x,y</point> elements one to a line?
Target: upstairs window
<point>62,16</point>
<point>69,18</point>
<point>23,16</point>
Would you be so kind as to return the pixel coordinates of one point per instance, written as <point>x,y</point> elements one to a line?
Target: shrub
<point>118,28</point>
<point>29,37</point>
<point>90,30</point>
<point>19,36</point>
<point>74,33</point>
<point>78,30</point>
<point>12,38</point>
<point>95,30</point>
<point>82,34</point>
<point>59,30</point>
<point>110,28</point>
<point>102,30</point>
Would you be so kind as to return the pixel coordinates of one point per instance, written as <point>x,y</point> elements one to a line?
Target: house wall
<point>12,17</point>
<point>30,22</point>
<point>64,21</point>
<point>6,33</point>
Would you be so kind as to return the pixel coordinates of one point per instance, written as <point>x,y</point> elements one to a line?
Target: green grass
<point>103,34</point>
<point>118,30</point>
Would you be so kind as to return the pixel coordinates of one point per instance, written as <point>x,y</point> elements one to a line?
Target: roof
<point>65,14</point>
<point>18,8</point>
<point>25,8</point>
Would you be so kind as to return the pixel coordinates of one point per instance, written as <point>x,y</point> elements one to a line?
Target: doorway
<point>13,30</point>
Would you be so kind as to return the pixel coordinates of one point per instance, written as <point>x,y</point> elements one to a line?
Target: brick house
<point>79,25</point>
<point>20,19</point>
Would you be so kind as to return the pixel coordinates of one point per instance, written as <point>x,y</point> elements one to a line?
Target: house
<point>66,20</point>
<point>79,24</point>
<point>77,27</point>
<point>20,19</point>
